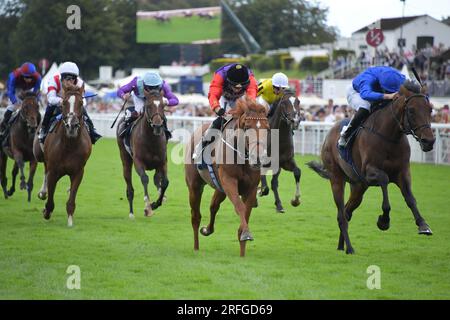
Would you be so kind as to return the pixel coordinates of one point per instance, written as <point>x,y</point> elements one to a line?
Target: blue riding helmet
<point>152,80</point>
<point>391,80</point>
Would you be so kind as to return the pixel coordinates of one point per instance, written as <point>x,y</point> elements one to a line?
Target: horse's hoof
<point>246,236</point>
<point>295,202</point>
<point>148,212</point>
<point>264,192</point>
<point>280,209</point>
<point>131,216</point>
<point>42,195</point>
<point>164,199</point>
<point>382,224</point>
<point>46,214</point>
<point>425,229</point>
<point>205,231</point>
<point>10,192</point>
<point>350,251</point>
<point>255,205</point>
<point>340,248</point>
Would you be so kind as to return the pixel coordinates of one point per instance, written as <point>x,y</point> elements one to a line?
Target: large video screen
<point>194,26</point>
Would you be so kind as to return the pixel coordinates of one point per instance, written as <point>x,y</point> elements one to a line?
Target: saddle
<point>125,131</point>
<point>6,133</point>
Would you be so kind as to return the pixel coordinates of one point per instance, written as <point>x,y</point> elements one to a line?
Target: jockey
<point>372,85</point>
<point>150,81</point>
<point>270,90</point>
<point>68,75</point>
<point>24,78</point>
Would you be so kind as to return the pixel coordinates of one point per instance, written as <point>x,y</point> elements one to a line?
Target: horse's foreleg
<point>43,192</point>
<point>127,175</point>
<point>297,174</point>
<point>21,165</point>
<point>3,179</point>
<point>52,179</point>
<point>14,173</point>
<point>195,199</point>
<point>404,184</point>
<point>274,185</point>
<point>148,212</point>
<point>214,207</point>
<point>264,188</point>
<point>338,187</point>
<point>161,177</point>
<point>375,176</point>
<point>230,186</point>
<point>30,185</point>
<point>75,181</point>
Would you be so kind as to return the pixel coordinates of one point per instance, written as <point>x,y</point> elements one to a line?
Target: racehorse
<point>285,118</point>
<point>381,155</point>
<point>19,146</point>
<point>238,180</point>
<point>65,151</point>
<point>148,145</point>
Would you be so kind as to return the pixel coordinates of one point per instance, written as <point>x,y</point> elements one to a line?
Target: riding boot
<point>206,140</point>
<point>4,124</point>
<point>46,122</point>
<point>271,111</point>
<point>356,121</point>
<point>92,133</point>
<point>130,115</point>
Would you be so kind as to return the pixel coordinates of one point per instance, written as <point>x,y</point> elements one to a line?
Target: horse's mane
<point>29,94</point>
<point>71,89</point>
<point>247,105</point>
<point>412,86</point>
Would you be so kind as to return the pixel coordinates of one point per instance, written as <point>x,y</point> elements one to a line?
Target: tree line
<point>31,30</point>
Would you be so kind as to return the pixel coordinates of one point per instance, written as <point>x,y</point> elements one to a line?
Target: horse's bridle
<point>67,115</point>
<point>22,117</point>
<point>408,129</point>
<point>150,118</point>
<point>286,116</point>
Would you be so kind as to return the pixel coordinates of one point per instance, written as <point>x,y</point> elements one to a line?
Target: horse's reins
<point>150,118</point>
<point>64,118</point>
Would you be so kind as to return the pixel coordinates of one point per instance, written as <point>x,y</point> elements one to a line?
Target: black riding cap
<point>238,75</point>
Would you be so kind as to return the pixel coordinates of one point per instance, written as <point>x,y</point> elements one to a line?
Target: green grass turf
<point>293,256</point>
<point>177,30</point>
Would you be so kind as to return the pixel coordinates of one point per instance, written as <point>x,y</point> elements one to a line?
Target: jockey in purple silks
<point>150,81</point>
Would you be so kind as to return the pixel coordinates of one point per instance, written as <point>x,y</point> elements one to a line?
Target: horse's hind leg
<point>127,164</point>
<point>43,192</point>
<point>75,181</point>
<point>30,185</point>
<point>216,200</point>
<point>274,185</point>
<point>3,179</point>
<point>52,179</point>
<point>14,173</point>
<point>404,184</point>
<point>161,182</point>
<point>356,195</point>
<point>338,187</point>
<point>21,164</point>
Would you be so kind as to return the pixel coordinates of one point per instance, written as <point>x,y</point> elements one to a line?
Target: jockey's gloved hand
<point>220,112</point>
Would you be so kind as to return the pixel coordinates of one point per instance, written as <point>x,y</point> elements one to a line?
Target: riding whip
<point>124,103</point>
<point>417,76</point>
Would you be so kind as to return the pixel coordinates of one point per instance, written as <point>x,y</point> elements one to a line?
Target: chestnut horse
<point>285,118</point>
<point>381,154</point>
<point>149,148</point>
<point>65,151</point>
<point>20,145</point>
<point>239,180</point>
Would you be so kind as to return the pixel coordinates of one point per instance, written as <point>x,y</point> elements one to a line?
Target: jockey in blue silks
<point>372,85</point>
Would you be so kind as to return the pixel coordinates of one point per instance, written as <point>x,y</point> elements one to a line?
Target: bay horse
<point>381,154</point>
<point>20,145</point>
<point>65,151</point>
<point>239,180</point>
<point>285,118</point>
<point>149,151</point>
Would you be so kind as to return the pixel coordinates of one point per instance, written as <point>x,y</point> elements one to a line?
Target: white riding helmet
<point>280,80</point>
<point>69,67</point>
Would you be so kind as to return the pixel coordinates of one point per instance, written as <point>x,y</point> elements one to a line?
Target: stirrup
<point>342,142</point>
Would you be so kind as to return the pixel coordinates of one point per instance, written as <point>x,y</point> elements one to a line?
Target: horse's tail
<point>319,169</point>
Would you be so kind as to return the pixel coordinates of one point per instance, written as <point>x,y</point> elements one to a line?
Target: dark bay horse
<point>285,118</point>
<point>239,180</point>
<point>65,151</point>
<point>149,147</point>
<point>20,145</point>
<point>381,153</point>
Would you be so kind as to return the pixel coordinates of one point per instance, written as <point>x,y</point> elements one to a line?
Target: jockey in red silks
<point>24,78</point>
<point>230,83</point>
<point>149,82</point>
<point>68,75</point>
